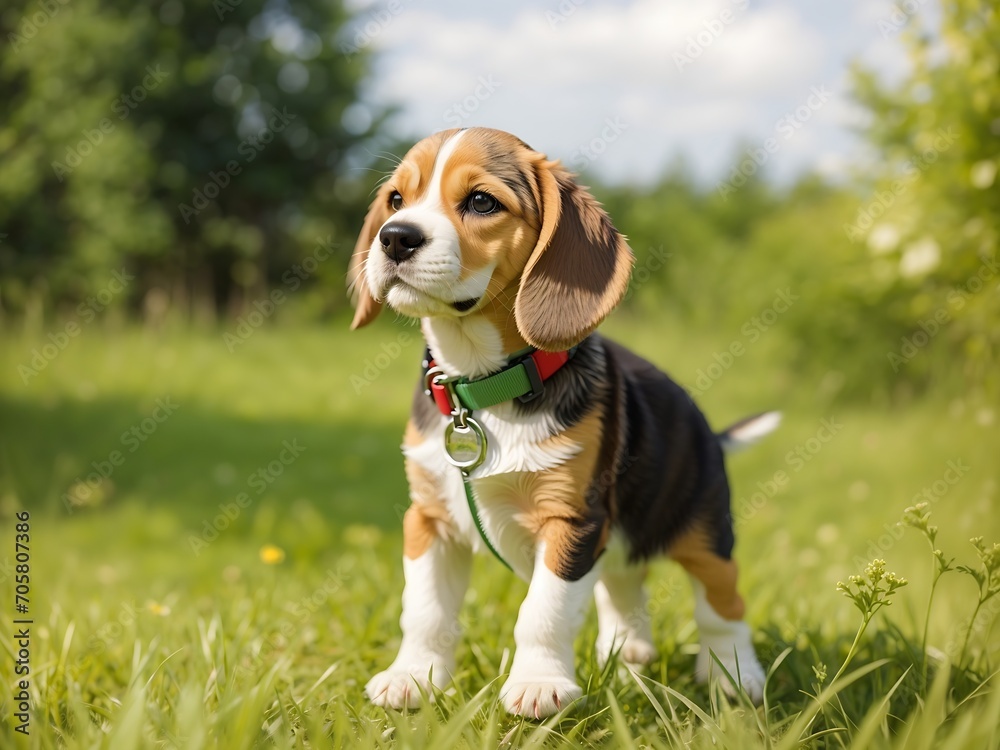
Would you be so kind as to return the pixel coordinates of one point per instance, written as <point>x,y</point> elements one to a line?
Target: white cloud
<point>555,85</point>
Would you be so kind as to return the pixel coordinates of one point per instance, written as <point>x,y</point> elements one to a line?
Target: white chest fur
<point>516,444</point>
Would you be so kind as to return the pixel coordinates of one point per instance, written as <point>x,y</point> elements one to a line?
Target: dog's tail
<point>748,431</point>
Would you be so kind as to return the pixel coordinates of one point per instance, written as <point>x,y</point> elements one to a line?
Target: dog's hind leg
<point>622,616</point>
<point>718,612</point>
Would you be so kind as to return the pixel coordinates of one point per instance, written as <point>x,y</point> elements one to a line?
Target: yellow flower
<point>271,554</point>
<point>161,610</point>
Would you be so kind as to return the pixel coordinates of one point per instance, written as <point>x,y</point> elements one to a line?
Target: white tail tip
<point>748,431</point>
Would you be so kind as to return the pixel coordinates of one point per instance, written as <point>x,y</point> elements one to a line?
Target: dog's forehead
<point>495,144</point>
<point>495,151</point>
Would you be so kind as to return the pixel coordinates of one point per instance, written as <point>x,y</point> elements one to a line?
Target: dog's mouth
<point>413,294</point>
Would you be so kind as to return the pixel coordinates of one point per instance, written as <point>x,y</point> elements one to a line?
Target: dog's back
<point>671,472</point>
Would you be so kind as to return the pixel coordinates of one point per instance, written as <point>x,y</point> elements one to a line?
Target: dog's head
<point>476,218</point>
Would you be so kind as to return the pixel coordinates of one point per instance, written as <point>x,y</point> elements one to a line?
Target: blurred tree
<point>931,219</point>
<point>201,146</point>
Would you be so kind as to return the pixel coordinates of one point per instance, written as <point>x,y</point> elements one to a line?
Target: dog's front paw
<point>400,688</point>
<point>536,700</point>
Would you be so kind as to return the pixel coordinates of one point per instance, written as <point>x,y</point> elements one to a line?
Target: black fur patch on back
<point>675,475</point>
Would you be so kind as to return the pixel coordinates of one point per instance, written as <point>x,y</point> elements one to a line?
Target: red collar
<point>522,379</point>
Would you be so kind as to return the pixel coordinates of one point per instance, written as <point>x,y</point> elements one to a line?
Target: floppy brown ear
<point>578,271</point>
<point>366,308</point>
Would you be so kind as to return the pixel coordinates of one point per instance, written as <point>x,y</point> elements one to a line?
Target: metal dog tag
<point>465,445</point>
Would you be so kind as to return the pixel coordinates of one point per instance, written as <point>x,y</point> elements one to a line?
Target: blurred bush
<point>930,219</point>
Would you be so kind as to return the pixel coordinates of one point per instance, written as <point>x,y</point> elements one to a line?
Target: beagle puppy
<point>572,459</point>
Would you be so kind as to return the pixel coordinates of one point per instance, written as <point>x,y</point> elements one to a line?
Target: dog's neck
<point>469,346</point>
<point>476,344</point>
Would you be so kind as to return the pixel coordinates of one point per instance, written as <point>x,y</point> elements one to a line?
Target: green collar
<point>523,379</point>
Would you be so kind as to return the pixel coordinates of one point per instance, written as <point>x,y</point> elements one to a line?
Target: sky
<point>625,89</point>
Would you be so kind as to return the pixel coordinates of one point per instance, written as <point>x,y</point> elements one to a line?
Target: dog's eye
<point>483,203</point>
<point>396,201</point>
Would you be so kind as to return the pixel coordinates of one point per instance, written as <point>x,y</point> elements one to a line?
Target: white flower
<point>983,173</point>
<point>883,239</point>
<point>920,258</point>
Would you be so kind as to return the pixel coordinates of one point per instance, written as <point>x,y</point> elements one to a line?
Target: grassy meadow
<point>236,578</point>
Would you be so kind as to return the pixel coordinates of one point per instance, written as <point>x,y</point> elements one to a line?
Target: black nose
<point>400,240</point>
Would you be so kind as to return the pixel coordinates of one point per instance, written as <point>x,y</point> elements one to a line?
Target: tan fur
<point>561,491</point>
<point>366,309</point>
<point>554,505</point>
<point>410,179</point>
<point>427,518</point>
<point>718,575</point>
<point>413,175</point>
<point>560,266</point>
<point>498,310</point>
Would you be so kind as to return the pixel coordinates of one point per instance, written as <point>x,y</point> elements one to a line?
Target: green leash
<point>464,439</point>
<point>474,509</point>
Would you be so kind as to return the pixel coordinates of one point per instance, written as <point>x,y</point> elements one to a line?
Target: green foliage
<point>198,144</point>
<point>896,273</point>
<point>934,247</point>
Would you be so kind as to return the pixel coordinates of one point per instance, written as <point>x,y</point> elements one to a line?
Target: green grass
<point>142,639</point>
